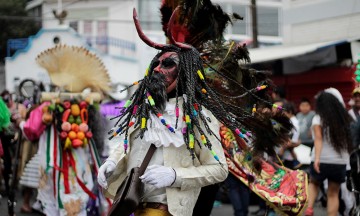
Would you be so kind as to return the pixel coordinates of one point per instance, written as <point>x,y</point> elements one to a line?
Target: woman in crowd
<point>332,143</point>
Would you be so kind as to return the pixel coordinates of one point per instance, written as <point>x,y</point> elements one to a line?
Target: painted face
<point>168,66</point>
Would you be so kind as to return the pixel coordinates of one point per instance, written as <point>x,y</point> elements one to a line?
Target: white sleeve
<point>316,120</point>
<point>295,132</point>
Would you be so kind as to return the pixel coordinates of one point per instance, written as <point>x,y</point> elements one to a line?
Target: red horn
<point>142,35</point>
<point>171,38</point>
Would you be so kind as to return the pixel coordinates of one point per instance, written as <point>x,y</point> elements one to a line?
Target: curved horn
<point>143,36</point>
<point>171,38</point>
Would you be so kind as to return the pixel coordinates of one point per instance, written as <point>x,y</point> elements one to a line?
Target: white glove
<point>105,169</point>
<point>158,176</point>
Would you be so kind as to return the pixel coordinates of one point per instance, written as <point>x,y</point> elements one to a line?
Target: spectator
<point>332,144</point>
<point>239,195</point>
<point>8,135</point>
<point>305,117</point>
<point>278,93</point>
<point>287,150</point>
<point>355,109</point>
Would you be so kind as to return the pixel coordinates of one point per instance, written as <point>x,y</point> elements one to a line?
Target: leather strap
<point>154,205</point>
<point>147,158</point>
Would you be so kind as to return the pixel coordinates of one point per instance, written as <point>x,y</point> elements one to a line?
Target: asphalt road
<point>223,210</point>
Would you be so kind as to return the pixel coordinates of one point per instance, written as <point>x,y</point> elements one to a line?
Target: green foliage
<point>14,23</point>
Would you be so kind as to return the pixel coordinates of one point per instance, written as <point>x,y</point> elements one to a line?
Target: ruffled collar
<point>158,134</point>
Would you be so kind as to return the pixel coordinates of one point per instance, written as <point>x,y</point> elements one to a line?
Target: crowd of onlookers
<point>323,135</point>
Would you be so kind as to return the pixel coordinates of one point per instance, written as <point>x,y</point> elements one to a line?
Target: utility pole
<point>254,24</point>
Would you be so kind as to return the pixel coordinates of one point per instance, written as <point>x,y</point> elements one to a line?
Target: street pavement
<point>223,210</point>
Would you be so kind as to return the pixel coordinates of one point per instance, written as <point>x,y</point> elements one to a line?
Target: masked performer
<point>202,24</point>
<point>66,125</point>
<point>176,109</point>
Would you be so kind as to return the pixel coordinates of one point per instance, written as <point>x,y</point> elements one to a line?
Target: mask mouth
<point>157,89</point>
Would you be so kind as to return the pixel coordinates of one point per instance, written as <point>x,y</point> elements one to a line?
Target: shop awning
<point>272,53</point>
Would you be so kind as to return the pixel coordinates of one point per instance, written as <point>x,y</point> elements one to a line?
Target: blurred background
<point>308,45</point>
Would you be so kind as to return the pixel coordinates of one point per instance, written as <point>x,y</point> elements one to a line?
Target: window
<point>239,26</point>
<point>87,28</point>
<point>102,39</point>
<point>74,25</point>
<point>149,14</point>
<point>268,21</point>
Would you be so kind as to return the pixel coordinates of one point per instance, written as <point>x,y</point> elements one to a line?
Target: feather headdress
<point>74,68</point>
<point>202,24</point>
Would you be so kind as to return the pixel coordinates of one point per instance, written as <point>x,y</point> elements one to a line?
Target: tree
<point>14,23</point>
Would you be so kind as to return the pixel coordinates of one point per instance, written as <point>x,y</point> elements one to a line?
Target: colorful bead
<point>150,99</point>
<point>196,106</point>
<point>254,108</point>
<point>177,112</point>
<point>135,109</point>
<point>203,139</point>
<point>118,130</point>
<point>277,107</point>
<point>143,123</point>
<point>132,122</point>
<point>191,141</point>
<point>203,91</point>
<point>200,75</point>
<point>136,82</point>
<point>184,130</point>
<point>237,131</point>
<point>147,72</point>
<point>214,154</point>
<point>187,119</point>
<point>127,104</point>
<point>261,87</point>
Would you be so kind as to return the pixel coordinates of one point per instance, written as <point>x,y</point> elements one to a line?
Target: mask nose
<point>157,69</point>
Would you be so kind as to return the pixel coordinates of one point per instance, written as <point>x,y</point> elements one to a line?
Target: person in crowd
<point>305,117</point>
<point>239,195</point>
<point>278,93</point>
<point>9,134</point>
<point>287,151</point>
<point>332,144</point>
<point>354,112</point>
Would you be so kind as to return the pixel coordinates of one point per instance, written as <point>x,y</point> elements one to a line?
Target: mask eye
<point>168,62</point>
<point>156,63</point>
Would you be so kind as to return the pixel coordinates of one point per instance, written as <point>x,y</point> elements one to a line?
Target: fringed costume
<point>66,125</point>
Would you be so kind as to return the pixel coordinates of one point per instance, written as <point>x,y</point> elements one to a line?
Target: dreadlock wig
<point>226,64</point>
<point>192,85</point>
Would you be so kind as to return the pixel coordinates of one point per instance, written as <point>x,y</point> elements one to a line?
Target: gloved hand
<point>158,176</point>
<point>106,168</point>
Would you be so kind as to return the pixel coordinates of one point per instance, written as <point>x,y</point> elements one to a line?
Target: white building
<point>309,21</point>
<point>22,64</point>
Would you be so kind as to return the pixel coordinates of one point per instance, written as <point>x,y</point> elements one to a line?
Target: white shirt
<point>294,138</point>
<point>328,154</point>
